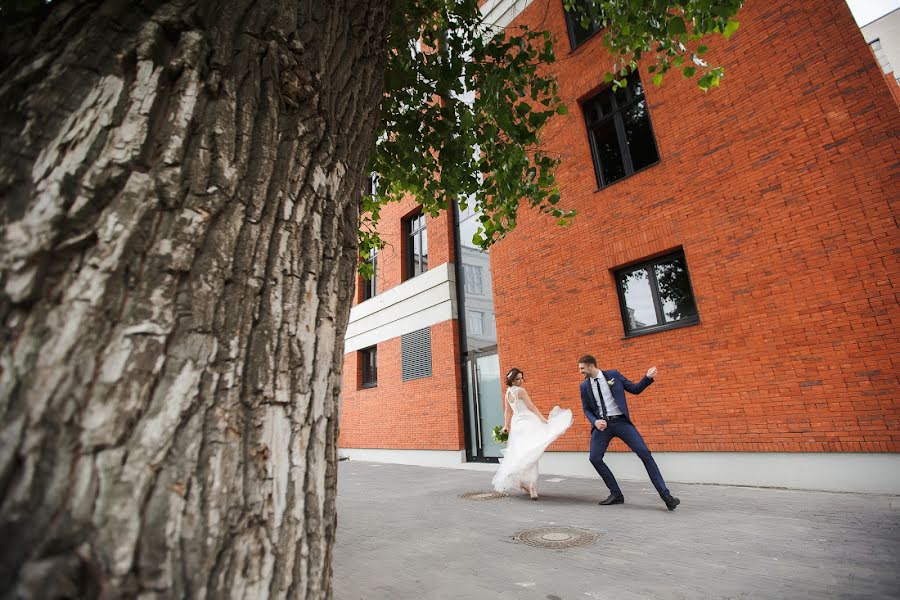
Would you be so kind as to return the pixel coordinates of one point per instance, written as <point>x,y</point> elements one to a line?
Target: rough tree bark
<point>180,184</point>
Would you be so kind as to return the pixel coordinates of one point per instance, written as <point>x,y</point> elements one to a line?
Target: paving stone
<point>405,533</point>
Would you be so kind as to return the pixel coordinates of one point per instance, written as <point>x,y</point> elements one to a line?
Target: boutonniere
<point>610,382</point>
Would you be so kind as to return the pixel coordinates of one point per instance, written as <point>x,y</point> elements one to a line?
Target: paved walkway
<point>404,533</point>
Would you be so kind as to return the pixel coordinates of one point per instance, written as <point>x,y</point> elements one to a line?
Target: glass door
<point>485,404</point>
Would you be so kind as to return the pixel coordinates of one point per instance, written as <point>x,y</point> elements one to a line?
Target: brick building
<point>743,241</point>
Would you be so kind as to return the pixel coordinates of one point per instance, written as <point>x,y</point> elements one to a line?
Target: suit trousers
<point>628,433</point>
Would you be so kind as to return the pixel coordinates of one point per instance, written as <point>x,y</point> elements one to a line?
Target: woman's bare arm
<point>507,413</point>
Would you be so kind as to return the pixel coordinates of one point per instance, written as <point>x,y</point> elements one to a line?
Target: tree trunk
<point>180,186</point>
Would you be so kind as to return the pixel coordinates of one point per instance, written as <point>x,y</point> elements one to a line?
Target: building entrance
<point>485,404</point>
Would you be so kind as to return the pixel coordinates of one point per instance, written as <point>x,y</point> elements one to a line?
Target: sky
<point>866,11</point>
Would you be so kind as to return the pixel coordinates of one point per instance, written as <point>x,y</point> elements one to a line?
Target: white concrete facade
<point>883,35</point>
<point>419,302</point>
<point>500,13</point>
<point>836,472</point>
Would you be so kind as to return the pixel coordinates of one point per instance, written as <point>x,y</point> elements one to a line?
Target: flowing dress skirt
<point>528,438</point>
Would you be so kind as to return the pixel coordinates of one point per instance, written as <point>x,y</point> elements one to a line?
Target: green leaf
<point>562,109</point>
<point>711,79</point>
<point>657,79</point>
<point>689,71</point>
<point>677,26</point>
<point>730,28</point>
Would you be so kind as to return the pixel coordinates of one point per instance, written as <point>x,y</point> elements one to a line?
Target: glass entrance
<point>485,398</point>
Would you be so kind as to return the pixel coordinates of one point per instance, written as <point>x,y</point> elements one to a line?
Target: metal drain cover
<point>557,537</point>
<point>482,496</point>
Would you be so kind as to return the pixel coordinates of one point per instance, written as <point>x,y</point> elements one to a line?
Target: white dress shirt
<point>612,408</point>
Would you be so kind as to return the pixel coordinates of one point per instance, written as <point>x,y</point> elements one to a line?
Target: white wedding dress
<point>528,438</point>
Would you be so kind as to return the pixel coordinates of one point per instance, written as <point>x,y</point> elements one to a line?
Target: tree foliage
<point>465,102</point>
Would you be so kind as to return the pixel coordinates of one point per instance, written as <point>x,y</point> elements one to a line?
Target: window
<point>371,184</point>
<point>415,354</point>
<point>369,287</point>
<point>474,322</point>
<point>621,137</point>
<point>416,246</point>
<point>368,360</point>
<point>580,25</point>
<point>473,280</point>
<point>656,295</point>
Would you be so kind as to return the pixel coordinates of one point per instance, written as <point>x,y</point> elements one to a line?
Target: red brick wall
<point>391,268</point>
<point>779,186</point>
<point>419,414</point>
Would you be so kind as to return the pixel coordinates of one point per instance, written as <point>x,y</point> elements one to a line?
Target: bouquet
<point>500,436</point>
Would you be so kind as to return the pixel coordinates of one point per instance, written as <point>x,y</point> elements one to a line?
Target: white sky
<point>866,11</point>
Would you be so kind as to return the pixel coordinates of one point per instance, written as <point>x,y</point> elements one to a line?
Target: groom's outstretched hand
<point>651,373</point>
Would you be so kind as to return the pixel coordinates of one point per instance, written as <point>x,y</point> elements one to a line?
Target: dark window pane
<point>371,184</point>
<point>657,295</point>
<point>620,122</point>
<point>639,136</point>
<point>598,108</point>
<point>675,290</point>
<point>369,361</point>
<point>638,299</point>
<point>609,155</point>
<point>635,87</point>
<point>369,286</point>
<point>604,104</point>
<point>621,96</point>
<point>581,27</point>
<point>580,33</point>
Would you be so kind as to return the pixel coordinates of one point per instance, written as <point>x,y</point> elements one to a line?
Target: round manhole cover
<point>557,537</point>
<point>482,496</point>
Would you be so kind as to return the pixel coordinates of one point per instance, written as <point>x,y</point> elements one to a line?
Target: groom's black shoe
<point>613,499</point>
<point>671,501</point>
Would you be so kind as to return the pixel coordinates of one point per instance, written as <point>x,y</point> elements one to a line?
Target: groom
<point>603,400</point>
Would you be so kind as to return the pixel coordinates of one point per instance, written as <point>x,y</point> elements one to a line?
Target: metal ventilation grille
<point>415,354</point>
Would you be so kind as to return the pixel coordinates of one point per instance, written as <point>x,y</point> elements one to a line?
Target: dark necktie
<point>602,402</point>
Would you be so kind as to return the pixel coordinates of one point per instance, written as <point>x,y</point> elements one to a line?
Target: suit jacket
<point>618,388</point>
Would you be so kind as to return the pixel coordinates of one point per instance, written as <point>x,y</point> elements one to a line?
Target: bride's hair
<point>513,373</point>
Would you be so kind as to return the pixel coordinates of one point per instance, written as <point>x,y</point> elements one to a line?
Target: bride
<point>529,435</point>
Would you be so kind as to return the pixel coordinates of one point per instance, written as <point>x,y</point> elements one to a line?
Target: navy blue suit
<point>621,428</point>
